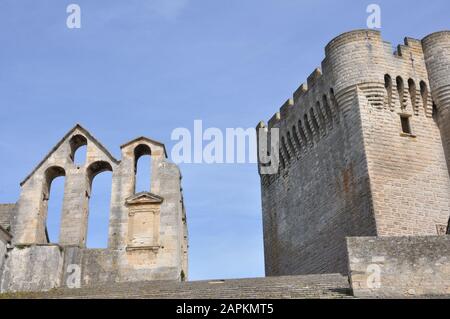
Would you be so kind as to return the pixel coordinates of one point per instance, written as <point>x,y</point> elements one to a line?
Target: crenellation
<point>300,92</point>
<point>314,78</point>
<point>287,109</point>
<point>275,120</point>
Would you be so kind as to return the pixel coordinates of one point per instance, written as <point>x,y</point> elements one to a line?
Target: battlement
<point>395,81</point>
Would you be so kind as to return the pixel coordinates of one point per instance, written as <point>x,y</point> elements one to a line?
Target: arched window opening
<point>52,203</point>
<point>388,87</point>
<point>424,94</point>
<point>401,91</point>
<point>78,147</point>
<point>143,168</point>
<point>412,93</point>
<point>99,193</point>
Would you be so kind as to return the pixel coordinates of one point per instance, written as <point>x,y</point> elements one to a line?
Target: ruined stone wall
<point>399,266</point>
<point>357,174</point>
<point>147,231</point>
<point>30,220</point>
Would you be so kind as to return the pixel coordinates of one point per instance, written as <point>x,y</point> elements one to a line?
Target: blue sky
<point>146,67</point>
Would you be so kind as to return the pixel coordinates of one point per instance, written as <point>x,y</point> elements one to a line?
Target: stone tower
<point>147,231</point>
<point>436,48</point>
<point>362,152</point>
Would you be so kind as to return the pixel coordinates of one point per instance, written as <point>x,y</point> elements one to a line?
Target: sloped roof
<point>144,197</point>
<point>149,140</point>
<point>88,135</point>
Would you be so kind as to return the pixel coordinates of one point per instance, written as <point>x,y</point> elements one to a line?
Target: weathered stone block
<point>35,268</point>
<point>399,266</point>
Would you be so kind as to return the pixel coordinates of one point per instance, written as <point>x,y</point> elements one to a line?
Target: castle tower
<point>360,155</point>
<point>437,57</point>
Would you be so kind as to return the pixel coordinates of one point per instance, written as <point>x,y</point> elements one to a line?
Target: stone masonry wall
<point>408,172</point>
<point>322,193</point>
<point>399,266</point>
<point>35,268</point>
<point>6,214</point>
<point>347,167</point>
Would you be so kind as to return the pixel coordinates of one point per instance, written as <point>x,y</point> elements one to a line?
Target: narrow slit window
<point>406,125</point>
